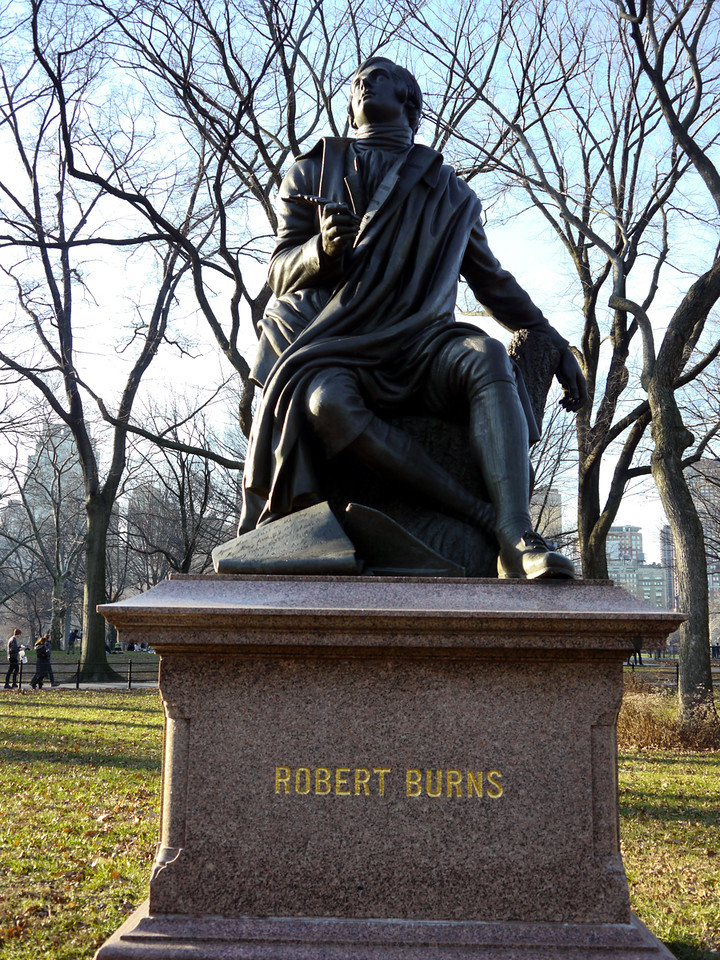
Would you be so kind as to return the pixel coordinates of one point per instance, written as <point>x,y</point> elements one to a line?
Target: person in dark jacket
<point>373,234</point>
<point>13,655</point>
<point>42,663</point>
<point>48,645</point>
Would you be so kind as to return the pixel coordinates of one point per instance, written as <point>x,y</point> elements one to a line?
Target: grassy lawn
<point>669,824</point>
<point>80,788</point>
<point>670,829</point>
<point>79,793</point>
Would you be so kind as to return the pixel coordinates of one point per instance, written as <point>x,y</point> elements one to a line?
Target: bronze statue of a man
<point>373,235</point>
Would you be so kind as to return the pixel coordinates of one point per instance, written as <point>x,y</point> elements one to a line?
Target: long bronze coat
<point>383,310</point>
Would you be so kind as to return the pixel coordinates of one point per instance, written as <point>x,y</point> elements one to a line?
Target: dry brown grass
<point>649,721</point>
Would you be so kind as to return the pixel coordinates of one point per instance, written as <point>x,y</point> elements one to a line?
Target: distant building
<point>546,512</point>
<point>646,581</point>
<point>627,567</point>
<point>652,584</point>
<point>625,543</point>
<point>54,479</point>
<point>624,574</point>
<point>667,560</point>
<point>12,518</point>
<point>703,480</point>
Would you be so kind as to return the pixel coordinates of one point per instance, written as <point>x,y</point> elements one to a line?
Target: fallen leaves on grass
<point>81,791</point>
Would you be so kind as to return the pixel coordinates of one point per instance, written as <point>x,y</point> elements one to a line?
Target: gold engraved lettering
<point>341,781</point>
<point>349,781</point>
<point>474,783</point>
<point>454,782</point>
<point>322,781</point>
<point>381,771</point>
<point>435,791</point>
<point>306,773</point>
<point>492,779</point>
<point>413,787</point>
<point>282,778</point>
<point>362,779</point>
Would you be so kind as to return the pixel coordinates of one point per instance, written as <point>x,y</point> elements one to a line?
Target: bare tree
<point>246,88</point>
<point>48,526</point>
<point>578,126</point>
<point>554,462</point>
<point>532,94</point>
<point>678,46</point>
<point>572,124</point>
<point>46,219</point>
<point>180,505</point>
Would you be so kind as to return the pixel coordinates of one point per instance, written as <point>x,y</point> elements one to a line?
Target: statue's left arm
<point>503,297</point>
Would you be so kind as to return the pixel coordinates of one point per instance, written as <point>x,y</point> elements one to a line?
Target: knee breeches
<point>338,409</point>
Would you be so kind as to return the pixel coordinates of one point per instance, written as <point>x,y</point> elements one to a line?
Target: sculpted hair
<point>407,90</point>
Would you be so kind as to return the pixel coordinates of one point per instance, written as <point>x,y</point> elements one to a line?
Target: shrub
<point>648,720</point>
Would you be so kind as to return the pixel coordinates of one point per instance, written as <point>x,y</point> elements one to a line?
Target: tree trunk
<point>57,622</point>
<point>93,659</point>
<point>592,548</point>
<point>697,714</point>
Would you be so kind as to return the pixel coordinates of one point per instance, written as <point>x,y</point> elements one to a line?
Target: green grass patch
<point>80,794</point>
<point>670,820</point>
<point>670,830</point>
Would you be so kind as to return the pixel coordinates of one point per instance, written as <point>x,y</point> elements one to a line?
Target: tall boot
<point>389,451</point>
<point>499,442</point>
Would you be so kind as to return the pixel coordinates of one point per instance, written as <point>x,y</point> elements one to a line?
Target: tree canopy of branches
<point>43,520</point>
<point>49,222</point>
<point>601,120</point>
<point>678,46</point>
<point>180,505</point>
<point>607,134</point>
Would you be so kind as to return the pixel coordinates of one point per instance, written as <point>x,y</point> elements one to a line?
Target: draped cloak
<point>384,310</point>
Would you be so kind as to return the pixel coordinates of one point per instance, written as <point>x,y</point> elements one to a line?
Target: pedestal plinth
<point>388,768</point>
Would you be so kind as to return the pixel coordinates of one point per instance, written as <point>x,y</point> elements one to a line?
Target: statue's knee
<point>329,404</point>
<point>497,358</point>
<point>321,405</point>
<point>487,361</point>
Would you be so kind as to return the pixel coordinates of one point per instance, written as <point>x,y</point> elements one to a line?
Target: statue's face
<point>374,98</point>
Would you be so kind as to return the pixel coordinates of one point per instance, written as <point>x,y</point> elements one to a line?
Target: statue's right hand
<point>338,228</point>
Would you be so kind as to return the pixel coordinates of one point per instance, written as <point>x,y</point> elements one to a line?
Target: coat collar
<point>339,181</point>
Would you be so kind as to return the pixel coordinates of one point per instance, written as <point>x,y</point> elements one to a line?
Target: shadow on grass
<point>709,759</point>
<point>661,812</point>
<point>686,951</point>
<point>123,761</point>
<point>55,723</point>
<point>23,700</point>
<point>56,717</point>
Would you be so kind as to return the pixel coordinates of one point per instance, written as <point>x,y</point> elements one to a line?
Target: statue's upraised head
<point>381,99</point>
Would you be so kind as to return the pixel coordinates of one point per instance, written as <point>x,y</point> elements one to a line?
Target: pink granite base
<point>217,938</point>
<point>388,768</point>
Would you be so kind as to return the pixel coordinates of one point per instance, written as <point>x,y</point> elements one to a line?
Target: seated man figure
<point>373,235</point>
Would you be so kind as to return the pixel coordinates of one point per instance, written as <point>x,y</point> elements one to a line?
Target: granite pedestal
<point>358,769</point>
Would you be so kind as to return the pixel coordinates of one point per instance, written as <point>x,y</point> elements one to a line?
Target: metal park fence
<point>143,671</point>
<point>131,673</point>
<point>666,672</point>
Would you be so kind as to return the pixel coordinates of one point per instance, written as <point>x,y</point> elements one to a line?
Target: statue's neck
<point>395,137</point>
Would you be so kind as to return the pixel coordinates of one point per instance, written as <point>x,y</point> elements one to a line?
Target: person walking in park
<point>48,647</point>
<point>42,663</point>
<point>13,655</point>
